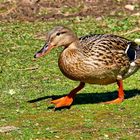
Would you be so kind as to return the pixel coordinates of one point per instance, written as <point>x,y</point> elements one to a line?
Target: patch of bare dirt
<point>32,10</point>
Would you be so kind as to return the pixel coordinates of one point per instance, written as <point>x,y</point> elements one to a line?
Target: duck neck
<point>69,58</point>
<point>73,46</point>
<point>71,52</point>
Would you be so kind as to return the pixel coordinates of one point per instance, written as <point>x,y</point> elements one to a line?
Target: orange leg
<point>120,94</point>
<point>67,100</point>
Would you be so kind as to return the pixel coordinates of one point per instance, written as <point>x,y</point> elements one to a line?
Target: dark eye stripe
<point>58,34</point>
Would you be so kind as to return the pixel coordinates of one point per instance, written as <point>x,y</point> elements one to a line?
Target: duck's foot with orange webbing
<point>62,102</point>
<point>116,101</point>
<point>120,94</point>
<point>67,100</point>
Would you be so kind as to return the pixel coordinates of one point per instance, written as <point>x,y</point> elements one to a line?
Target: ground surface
<point>28,85</point>
<point>58,9</point>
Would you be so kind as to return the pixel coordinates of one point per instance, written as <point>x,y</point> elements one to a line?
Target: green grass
<point>86,119</point>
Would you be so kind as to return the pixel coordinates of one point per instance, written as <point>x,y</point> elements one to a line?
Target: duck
<point>100,59</point>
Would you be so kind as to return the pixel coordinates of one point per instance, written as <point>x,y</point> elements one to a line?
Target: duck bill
<point>45,50</point>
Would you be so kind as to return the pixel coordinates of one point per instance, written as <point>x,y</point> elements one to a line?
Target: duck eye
<point>58,34</point>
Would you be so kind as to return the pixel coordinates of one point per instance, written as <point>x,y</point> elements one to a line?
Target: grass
<point>24,79</point>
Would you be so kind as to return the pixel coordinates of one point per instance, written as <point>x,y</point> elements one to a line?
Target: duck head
<point>58,36</point>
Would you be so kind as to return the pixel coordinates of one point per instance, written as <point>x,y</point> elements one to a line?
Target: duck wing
<point>108,43</point>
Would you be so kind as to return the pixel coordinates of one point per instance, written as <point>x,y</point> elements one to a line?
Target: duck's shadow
<point>91,98</point>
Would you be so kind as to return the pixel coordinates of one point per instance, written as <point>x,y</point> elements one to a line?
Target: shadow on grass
<point>91,98</point>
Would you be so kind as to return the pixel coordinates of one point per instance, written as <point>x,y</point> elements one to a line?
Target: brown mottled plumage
<point>94,59</point>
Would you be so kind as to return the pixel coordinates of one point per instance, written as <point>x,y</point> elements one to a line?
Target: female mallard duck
<point>95,59</point>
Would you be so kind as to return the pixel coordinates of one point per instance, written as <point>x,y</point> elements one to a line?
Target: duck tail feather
<point>137,61</point>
